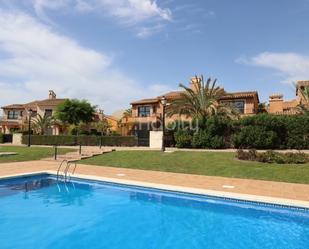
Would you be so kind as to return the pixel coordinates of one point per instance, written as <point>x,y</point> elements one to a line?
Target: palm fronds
<point>42,123</point>
<point>303,106</point>
<point>203,100</point>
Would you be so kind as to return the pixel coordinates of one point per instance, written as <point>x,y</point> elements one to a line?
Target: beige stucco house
<point>16,116</point>
<point>277,104</point>
<point>246,102</point>
<point>146,112</point>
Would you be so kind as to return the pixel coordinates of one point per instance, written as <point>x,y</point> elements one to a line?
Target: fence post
<point>100,142</point>
<point>56,151</point>
<point>80,148</point>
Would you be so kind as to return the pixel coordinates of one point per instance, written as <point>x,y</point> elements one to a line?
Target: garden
<point>223,164</point>
<point>217,125</point>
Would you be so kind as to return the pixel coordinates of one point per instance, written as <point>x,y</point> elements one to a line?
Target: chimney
<point>276,103</point>
<point>195,81</point>
<point>300,87</point>
<point>51,94</point>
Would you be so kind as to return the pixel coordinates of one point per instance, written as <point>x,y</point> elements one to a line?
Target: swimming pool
<point>39,212</point>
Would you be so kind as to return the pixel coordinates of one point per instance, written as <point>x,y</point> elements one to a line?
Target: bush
<point>255,137</point>
<point>83,140</point>
<point>183,139</point>
<point>265,131</point>
<point>273,157</point>
<point>214,133</point>
<point>1,138</point>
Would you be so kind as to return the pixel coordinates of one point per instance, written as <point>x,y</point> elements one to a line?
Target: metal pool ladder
<point>67,165</point>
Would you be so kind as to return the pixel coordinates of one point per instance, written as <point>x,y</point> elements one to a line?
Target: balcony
<point>19,119</point>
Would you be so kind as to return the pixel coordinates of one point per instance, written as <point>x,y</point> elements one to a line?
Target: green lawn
<point>203,163</point>
<point>28,154</point>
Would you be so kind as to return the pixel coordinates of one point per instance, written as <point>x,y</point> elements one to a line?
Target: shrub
<point>1,138</point>
<point>255,137</point>
<point>273,157</point>
<point>246,155</point>
<point>83,140</point>
<point>279,132</point>
<point>183,139</point>
<point>200,139</point>
<point>213,133</point>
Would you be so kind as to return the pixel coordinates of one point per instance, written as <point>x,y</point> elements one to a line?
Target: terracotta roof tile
<point>240,95</point>
<point>34,104</point>
<point>145,101</point>
<point>13,106</point>
<point>176,94</point>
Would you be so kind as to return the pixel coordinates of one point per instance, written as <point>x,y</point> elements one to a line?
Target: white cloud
<point>134,14</point>
<point>292,66</point>
<point>40,59</point>
<point>145,32</point>
<point>134,11</point>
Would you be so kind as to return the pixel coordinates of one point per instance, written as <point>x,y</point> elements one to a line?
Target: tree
<point>262,108</point>
<point>127,113</point>
<point>42,123</point>
<point>102,126</point>
<point>303,107</point>
<point>74,111</point>
<point>201,102</point>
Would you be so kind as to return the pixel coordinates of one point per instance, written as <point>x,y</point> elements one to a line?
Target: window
<point>239,105</point>
<point>144,111</point>
<point>48,113</point>
<point>13,114</point>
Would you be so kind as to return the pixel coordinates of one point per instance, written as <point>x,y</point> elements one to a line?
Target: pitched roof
<point>14,106</point>
<point>237,95</point>
<point>111,117</point>
<point>176,94</point>
<point>303,83</point>
<point>145,101</point>
<point>34,104</point>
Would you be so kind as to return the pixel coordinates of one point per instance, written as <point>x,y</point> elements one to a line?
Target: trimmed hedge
<point>265,131</point>
<point>1,138</point>
<point>262,131</point>
<point>83,140</point>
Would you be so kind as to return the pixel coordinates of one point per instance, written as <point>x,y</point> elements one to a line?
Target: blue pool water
<point>38,212</point>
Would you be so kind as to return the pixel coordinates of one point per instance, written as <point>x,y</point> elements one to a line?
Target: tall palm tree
<point>201,102</point>
<point>42,123</point>
<point>303,107</point>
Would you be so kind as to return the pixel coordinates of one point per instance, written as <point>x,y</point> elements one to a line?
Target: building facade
<point>277,104</point>
<point>16,116</point>
<point>146,113</point>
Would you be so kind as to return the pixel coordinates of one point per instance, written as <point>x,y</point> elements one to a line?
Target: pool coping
<point>188,190</point>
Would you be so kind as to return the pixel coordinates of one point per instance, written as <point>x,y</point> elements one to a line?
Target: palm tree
<point>201,102</point>
<point>303,107</point>
<point>127,113</point>
<point>125,116</point>
<point>42,123</point>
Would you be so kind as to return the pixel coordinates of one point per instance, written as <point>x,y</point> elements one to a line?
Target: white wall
<point>156,139</point>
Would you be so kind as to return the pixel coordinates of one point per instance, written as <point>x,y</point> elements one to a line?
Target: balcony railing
<point>6,118</point>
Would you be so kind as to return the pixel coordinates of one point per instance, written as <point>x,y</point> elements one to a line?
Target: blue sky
<point>115,51</point>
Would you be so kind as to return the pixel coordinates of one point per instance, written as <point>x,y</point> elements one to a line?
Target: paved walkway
<point>289,191</point>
